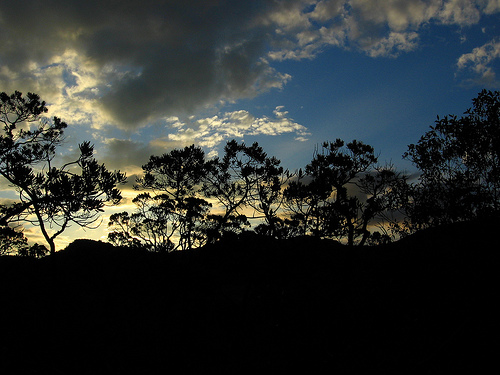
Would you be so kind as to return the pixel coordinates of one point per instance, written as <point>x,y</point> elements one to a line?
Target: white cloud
<point>478,64</point>
<point>460,12</point>
<point>394,44</point>
<point>397,15</point>
<point>212,131</point>
<point>492,6</point>
<point>380,28</point>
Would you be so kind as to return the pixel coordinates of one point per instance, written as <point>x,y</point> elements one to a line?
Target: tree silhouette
<point>169,215</point>
<point>177,173</point>
<point>176,178</point>
<point>341,193</point>
<point>306,199</point>
<point>378,186</point>
<point>51,197</point>
<point>155,222</point>
<point>326,201</point>
<point>122,230</point>
<point>34,251</point>
<point>245,177</point>
<point>265,195</point>
<point>230,179</point>
<point>12,241</point>
<point>174,214</point>
<point>459,161</point>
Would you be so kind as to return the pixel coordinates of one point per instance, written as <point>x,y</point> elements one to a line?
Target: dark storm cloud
<point>149,58</point>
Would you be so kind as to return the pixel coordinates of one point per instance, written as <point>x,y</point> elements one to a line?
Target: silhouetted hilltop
<point>422,305</point>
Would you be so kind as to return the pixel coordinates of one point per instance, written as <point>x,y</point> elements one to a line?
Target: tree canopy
<point>459,164</point>
<point>50,195</point>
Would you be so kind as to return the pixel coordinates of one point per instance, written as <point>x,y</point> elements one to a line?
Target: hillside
<point>423,305</point>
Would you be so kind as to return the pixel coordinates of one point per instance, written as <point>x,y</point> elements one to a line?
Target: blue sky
<point>149,76</point>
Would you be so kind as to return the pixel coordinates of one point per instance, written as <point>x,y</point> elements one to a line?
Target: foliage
<point>34,251</point>
<point>306,199</point>
<point>177,173</point>
<point>176,215</point>
<point>459,161</point>
<point>153,225</point>
<point>172,216</point>
<point>245,177</point>
<point>122,228</point>
<point>341,191</point>
<point>52,197</point>
<point>267,197</point>
<point>12,241</point>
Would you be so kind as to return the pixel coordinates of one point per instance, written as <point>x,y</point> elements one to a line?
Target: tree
<point>161,224</point>
<point>378,187</point>
<point>177,173</point>
<point>51,197</point>
<point>267,198</point>
<point>341,191</point>
<point>246,177</point>
<point>193,219</point>
<point>459,164</point>
<point>306,198</point>
<point>34,251</point>
<point>12,241</point>
<point>170,215</point>
<point>122,229</point>
<point>153,225</point>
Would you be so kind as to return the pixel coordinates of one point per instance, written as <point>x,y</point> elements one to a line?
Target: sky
<point>140,78</point>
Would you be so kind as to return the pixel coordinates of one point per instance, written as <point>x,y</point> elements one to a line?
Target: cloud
<point>136,61</point>
<point>477,65</point>
<point>492,6</point>
<point>128,155</point>
<point>461,12</point>
<point>212,131</point>
<point>379,28</point>
<point>131,63</point>
<point>394,44</point>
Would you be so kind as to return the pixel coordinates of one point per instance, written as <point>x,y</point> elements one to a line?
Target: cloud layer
<point>129,63</point>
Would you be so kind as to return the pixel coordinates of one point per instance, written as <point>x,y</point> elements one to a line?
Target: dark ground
<point>423,305</point>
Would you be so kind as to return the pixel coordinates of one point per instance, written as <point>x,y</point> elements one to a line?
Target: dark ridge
<point>423,305</point>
